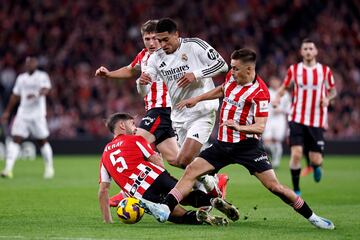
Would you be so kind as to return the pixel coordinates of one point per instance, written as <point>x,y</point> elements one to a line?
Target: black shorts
<point>311,138</point>
<point>250,153</point>
<point>160,187</point>
<point>157,121</point>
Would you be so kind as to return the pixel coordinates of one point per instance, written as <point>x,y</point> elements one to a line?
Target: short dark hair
<point>116,117</point>
<point>245,55</point>
<point>149,27</point>
<point>166,25</point>
<point>308,40</point>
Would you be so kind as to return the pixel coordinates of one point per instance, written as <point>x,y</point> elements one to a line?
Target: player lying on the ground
<point>243,116</point>
<point>139,172</point>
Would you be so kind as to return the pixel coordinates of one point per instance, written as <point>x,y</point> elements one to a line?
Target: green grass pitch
<point>66,207</point>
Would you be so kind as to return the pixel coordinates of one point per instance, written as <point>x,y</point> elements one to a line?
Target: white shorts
<point>198,129</point>
<point>37,128</point>
<point>275,129</point>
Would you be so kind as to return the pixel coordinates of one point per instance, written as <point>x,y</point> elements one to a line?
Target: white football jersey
<point>284,105</point>
<point>27,84</point>
<point>193,55</point>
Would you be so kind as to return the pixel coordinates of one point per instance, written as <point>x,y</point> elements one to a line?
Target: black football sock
<point>295,176</point>
<point>170,201</point>
<point>301,207</point>
<point>315,165</point>
<point>188,218</point>
<point>197,199</point>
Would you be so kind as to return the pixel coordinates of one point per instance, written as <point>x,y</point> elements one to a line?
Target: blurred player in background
<point>156,125</point>
<point>140,173</point>
<point>314,88</point>
<point>276,126</point>
<point>187,66</point>
<point>243,117</point>
<point>30,89</point>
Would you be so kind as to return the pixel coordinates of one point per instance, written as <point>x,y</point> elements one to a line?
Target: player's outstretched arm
<point>256,128</point>
<point>121,73</point>
<point>103,196</point>
<point>215,93</point>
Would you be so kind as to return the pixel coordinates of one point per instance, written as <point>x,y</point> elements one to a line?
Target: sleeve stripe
<point>104,175</point>
<point>143,149</point>
<point>198,41</point>
<point>214,68</point>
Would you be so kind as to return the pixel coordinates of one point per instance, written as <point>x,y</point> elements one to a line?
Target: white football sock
<point>47,154</point>
<point>271,147</point>
<point>13,150</point>
<point>277,154</point>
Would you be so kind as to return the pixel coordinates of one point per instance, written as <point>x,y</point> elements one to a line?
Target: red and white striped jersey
<point>124,160</point>
<point>242,104</point>
<point>311,85</point>
<point>157,95</point>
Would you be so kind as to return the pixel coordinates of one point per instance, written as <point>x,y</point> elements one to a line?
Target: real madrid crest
<point>184,57</point>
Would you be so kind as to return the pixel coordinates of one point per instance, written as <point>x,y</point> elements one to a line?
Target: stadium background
<point>73,38</point>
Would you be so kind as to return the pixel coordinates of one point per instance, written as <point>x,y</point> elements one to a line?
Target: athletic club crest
<point>184,57</point>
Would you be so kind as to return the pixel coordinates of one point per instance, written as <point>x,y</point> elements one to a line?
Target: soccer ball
<point>129,210</point>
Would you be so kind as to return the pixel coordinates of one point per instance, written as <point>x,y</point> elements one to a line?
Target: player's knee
<point>296,154</point>
<point>190,172</point>
<point>315,157</point>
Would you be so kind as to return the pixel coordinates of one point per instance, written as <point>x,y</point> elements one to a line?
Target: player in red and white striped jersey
<point>314,87</point>
<point>242,119</point>
<point>156,125</point>
<point>139,172</point>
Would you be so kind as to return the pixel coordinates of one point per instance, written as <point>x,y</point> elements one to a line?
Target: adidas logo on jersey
<point>163,64</point>
<point>196,135</point>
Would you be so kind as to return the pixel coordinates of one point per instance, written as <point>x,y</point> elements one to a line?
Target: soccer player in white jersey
<point>30,89</point>
<point>187,66</point>
<point>276,126</point>
<point>314,88</point>
<point>156,125</point>
<point>243,117</point>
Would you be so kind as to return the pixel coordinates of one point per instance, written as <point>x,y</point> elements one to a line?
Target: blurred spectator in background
<point>80,35</point>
